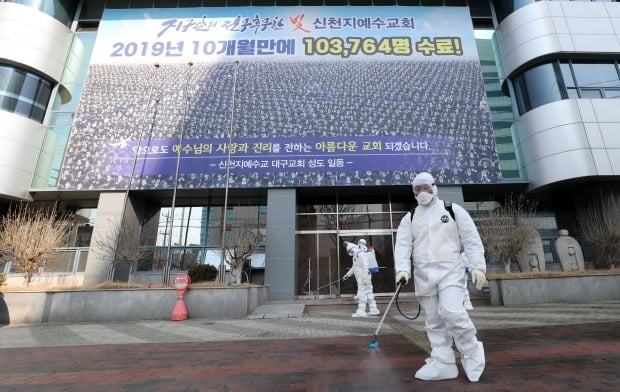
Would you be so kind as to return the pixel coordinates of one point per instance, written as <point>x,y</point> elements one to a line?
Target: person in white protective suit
<point>434,240</point>
<point>362,275</point>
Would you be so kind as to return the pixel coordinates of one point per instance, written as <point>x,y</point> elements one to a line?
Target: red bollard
<point>181,283</point>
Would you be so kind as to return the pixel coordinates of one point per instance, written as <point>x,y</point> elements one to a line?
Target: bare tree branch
<point>30,236</point>
<point>506,230</point>
<point>239,245</point>
<point>600,226</point>
<point>123,241</point>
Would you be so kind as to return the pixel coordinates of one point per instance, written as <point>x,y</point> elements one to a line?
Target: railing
<point>152,258</point>
<point>65,260</point>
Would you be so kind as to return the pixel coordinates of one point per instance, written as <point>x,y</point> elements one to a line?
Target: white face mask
<point>424,198</point>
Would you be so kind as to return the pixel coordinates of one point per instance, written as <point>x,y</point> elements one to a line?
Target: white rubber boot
<point>372,309</point>
<point>473,364</point>
<point>440,366</point>
<point>361,311</point>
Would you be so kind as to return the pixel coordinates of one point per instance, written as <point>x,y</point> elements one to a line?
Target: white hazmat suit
<point>365,295</point>
<point>434,240</point>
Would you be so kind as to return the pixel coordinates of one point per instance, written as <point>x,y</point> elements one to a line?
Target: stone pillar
<point>108,222</point>
<point>280,244</point>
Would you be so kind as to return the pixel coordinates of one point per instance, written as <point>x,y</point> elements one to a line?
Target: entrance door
<point>381,241</point>
<point>318,274</point>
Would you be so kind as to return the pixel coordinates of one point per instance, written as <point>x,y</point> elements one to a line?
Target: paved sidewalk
<point>290,324</point>
<point>551,347</point>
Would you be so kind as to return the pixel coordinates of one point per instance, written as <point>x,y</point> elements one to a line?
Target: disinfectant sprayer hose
<point>402,313</point>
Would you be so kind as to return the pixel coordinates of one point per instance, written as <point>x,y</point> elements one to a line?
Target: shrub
<point>202,273</point>
<point>2,278</point>
<point>506,229</point>
<point>600,226</point>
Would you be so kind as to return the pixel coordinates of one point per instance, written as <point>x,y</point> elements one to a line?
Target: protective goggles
<point>423,188</point>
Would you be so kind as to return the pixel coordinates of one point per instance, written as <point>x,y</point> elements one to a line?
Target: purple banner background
<point>294,154</point>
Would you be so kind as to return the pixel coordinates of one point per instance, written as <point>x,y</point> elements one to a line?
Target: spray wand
<point>375,343</point>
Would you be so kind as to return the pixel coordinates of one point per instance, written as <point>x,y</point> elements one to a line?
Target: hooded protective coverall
<point>434,240</point>
<point>363,277</point>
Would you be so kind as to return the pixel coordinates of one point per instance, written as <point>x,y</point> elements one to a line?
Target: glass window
<point>165,3</point>
<point>82,261</point>
<point>141,4</point>
<point>317,222</point>
<point>48,166</point>
<point>364,221</point>
<point>542,85</point>
<point>14,81</point>
<point>537,86</point>
<point>117,4</point>
<point>24,93</point>
<point>60,262</point>
<point>596,74</point>
<point>503,8</point>
<point>92,10</point>
<point>8,103</point>
<point>612,93</point>
<point>362,207</point>
<point>61,120</point>
<point>190,3</point>
<point>580,79</point>
<point>431,2</point>
<point>257,259</point>
<point>200,226</point>
<point>398,207</point>
<point>29,87</point>
<point>521,97</point>
<point>480,9</point>
<point>458,3</point>
<point>572,93</point>
<point>567,75</point>
<point>591,93</point>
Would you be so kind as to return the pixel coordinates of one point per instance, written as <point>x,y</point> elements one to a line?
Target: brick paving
<point>569,347</point>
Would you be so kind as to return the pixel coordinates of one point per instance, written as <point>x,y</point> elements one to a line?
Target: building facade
<point>172,125</point>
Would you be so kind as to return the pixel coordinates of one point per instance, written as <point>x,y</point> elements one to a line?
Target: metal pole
<point>222,269</point>
<point>189,218</point>
<point>318,273</point>
<point>133,168</point>
<point>309,277</point>
<point>329,275</point>
<point>166,277</point>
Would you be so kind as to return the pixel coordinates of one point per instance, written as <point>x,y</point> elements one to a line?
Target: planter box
<point>565,288</point>
<point>30,307</point>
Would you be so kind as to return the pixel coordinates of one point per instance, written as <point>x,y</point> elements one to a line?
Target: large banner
<point>281,96</point>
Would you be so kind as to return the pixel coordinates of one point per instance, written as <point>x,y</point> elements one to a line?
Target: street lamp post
<point>222,269</point>
<point>169,257</point>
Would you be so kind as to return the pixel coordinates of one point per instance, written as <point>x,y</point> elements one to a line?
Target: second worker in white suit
<point>363,278</point>
<point>434,240</point>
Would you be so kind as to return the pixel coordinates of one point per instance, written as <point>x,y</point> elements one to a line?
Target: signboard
<point>181,283</point>
<point>281,96</point>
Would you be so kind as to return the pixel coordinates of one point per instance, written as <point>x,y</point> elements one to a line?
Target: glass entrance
<point>322,260</point>
<point>318,271</point>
